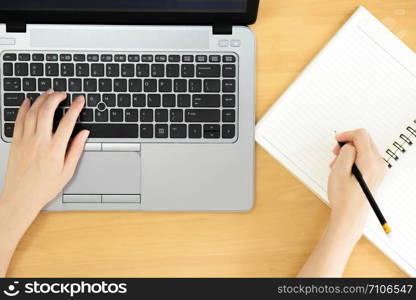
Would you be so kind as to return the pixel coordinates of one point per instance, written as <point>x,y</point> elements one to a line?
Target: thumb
<point>75,151</point>
<point>345,159</point>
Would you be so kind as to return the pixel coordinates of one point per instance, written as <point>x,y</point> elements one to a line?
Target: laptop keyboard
<point>187,97</point>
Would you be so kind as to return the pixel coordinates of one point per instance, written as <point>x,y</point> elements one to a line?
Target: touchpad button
<point>107,173</point>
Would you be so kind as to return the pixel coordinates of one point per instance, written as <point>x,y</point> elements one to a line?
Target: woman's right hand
<point>350,207</point>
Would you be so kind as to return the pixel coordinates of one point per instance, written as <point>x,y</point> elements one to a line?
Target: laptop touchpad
<point>107,173</point>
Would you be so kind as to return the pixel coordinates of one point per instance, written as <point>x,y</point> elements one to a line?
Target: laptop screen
<point>226,6</point>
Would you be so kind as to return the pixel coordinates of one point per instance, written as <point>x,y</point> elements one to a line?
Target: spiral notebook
<point>365,77</point>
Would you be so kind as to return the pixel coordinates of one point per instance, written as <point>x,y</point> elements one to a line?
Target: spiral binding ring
<point>399,146</point>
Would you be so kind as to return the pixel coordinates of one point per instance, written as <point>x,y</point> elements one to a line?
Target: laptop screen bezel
<point>48,16</point>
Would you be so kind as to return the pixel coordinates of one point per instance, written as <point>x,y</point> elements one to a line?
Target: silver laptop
<point>170,97</point>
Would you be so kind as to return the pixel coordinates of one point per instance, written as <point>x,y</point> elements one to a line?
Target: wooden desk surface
<point>275,238</point>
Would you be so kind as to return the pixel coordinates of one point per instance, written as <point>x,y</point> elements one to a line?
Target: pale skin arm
<point>40,164</point>
<point>350,208</point>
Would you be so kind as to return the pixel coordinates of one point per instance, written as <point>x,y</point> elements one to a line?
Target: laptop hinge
<point>15,26</point>
<point>222,28</point>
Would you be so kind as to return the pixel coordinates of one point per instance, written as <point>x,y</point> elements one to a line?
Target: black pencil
<point>356,172</point>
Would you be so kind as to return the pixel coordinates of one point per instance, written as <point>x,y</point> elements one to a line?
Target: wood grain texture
<point>275,238</point>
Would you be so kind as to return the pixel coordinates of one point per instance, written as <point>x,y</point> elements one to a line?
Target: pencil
<point>357,174</point>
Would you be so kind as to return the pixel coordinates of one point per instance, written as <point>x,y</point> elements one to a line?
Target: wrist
<point>349,232</point>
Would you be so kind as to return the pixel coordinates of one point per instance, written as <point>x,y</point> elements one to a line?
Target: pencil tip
<point>386,228</point>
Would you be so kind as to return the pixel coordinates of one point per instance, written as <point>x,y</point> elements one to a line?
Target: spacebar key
<point>109,130</point>
<point>202,115</point>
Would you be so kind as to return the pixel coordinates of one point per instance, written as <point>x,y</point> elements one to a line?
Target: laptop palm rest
<point>107,173</point>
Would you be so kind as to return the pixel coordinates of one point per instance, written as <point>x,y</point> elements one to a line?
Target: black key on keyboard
<point>180,85</point>
<point>119,58</point>
<point>228,131</point>
<point>178,131</point>
<point>24,57</point>
<point>228,115</point>
<point>228,86</point>
<point>67,69</point>
<point>165,85</point>
<point>75,85</point>
<point>116,115</point>
<point>153,100</point>
<point>83,70</point>
<point>187,58</point>
<point>228,58</point>
<point>201,58</point>
<point>9,57</point>
<point>65,57</point>
<point>97,70</point>
<point>76,95</point>
<point>174,58</point>
<point>59,84</point>
<point>90,85</point>
<point>66,102</point>
<point>161,58</point>
<point>101,116</point>
<point>176,115</point>
<point>206,100</point>
<point>161,131</point>
<point>109,130</point>
<point>29,84</point>
<point>13,99</point>
<point>202,115</point>
<point>228,100</point>
<point>135,85</point>
<point>79,57</point>
<point>86,115</point>
<point>11,84</point>
<point>142,70</point>
<point>139,100</point>
<point>214,58</point>
<point>124,100</point>
<point>172,70</point>
<point>105,85</point>
<point>106,58</point>
<point>93,100</point>
<point>52,69</point>
<point>211,131</point>
<point>195,85</point>
<point>112,70</point>
<point>44,84</point>
<point>228,71</point>
<point>208,71</point>
<point>195,131</point>
<point>32,96</point>
<point>184,100</point>
<point>92,57</point>
<point>120,85</point>
<point>161,115</point>
<point>8,129</point>
<point>150,85</point>
<point>134,58</point>
<point>212,85</point>
<point>51,57</point>
<point>132,115</point>
<point>146,131</point>
<point>127,70</point>
<point>36,69</point>
<point>109,100</point>
<point>21,69</point>
<point>147,58</point>
<point>168,100</point>
<point>187,70</point>
<point>146,115</point>
<point>10,114</point>
<point>158,70</point>
<point>8,69</point>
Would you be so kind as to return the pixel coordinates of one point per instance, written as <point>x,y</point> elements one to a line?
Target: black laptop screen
<point>225,6</point>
